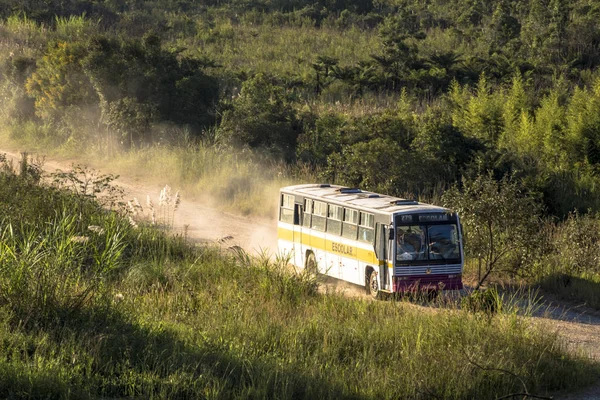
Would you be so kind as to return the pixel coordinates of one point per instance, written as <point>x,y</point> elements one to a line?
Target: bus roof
<point>374,202</point>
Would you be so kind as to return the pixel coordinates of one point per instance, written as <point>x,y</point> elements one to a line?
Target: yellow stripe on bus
<point>342,247</point>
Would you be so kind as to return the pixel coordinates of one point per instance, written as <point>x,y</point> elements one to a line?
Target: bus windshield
<point>427,242</point>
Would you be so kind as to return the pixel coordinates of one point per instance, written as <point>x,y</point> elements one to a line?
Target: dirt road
<point>202,224</point>
<point>579,326</point>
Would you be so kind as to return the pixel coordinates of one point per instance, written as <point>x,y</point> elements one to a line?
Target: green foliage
<point>321,138</point>
<point>517,133</point>
<point>93,307</point>
<point>477,114</point>
<point>500,222</point>
<point>549,131</point>
<point>486,301</point>
<point>17,105</point>
<point>399,53</point>
<point>262,117</point>
<point>127,85</point>
<point>444,146</point>
<point>60,81</point>
<point>504,27</point>
<point>583,124</point>
<point>379,165</point>
<point>142,80</point>
<point>575,245</point>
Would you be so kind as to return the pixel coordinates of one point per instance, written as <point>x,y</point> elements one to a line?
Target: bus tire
<point>311,265</point>
<point>373,285</point>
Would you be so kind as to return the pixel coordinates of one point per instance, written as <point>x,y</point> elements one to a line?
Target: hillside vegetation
<point>237,98</point>
<point>488,107</point>
<point>95,305</point>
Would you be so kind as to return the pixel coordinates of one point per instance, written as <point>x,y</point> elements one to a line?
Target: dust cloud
<point>194,219</point>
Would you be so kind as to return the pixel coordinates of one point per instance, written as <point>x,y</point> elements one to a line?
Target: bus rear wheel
<point>373,285</point>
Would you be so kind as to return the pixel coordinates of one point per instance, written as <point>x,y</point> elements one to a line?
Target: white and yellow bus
<point>384,243</point>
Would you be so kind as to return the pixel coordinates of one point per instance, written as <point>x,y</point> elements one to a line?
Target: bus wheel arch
<point>310,265</point>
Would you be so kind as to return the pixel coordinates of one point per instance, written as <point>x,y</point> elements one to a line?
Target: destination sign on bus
<point>434,217</point>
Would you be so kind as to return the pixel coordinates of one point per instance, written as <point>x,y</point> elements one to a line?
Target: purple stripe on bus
<point>426,282</point>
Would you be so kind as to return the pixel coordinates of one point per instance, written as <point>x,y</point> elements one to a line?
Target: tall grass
<point>75,27</point>
<point>116,311</point>
<point>279,50</point>
<point>244,183</point>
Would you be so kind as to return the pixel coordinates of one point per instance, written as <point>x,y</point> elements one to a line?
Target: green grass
<point>280,50</point>
<point>132,312</point>
<point>581,289</point>
<point>233,181</point>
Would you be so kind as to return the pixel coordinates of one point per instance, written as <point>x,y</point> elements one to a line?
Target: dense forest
<point>404,95</point>
<point>409,98</point>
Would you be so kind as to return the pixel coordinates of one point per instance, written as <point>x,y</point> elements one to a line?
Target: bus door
<point>383,242</point>
<point>298,248</point>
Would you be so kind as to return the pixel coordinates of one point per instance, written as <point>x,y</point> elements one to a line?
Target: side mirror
<point>391,233</point>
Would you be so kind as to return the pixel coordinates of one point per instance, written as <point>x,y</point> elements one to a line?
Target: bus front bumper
<point>427,282</point>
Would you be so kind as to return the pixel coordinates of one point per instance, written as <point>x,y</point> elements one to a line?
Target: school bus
<point>384,243</point>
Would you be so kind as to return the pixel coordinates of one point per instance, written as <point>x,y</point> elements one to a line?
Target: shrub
<point>262,117</point>
<point>486,301</point>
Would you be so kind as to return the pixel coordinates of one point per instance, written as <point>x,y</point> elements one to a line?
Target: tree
<point>136,80</point>
<point>321,138</point>
<point>559,17</point>
<point>262,117</point>
<point>443,144</point>
<point>323,66</point>
<point>399,52</point>
<point>504,27</point>
<point>534,32</point>
<point>382,166</point>
<point>479,113</point>
<point>60,81</point>
<point>175,86</point>
<point>583,125</point>
<point>500,220</point>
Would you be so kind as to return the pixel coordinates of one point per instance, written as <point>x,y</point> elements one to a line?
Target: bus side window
<point>366,227</point>
<point>334,219</point>
<point>306,220</point>
<point>319,218</point>
<point>286,213</point>
<point>349,227</point>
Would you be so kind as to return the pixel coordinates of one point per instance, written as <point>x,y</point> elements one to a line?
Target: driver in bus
<point>409,245</point>
<point>441,246</point>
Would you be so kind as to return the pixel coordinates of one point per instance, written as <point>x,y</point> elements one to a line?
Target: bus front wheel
<point>373,285</point>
